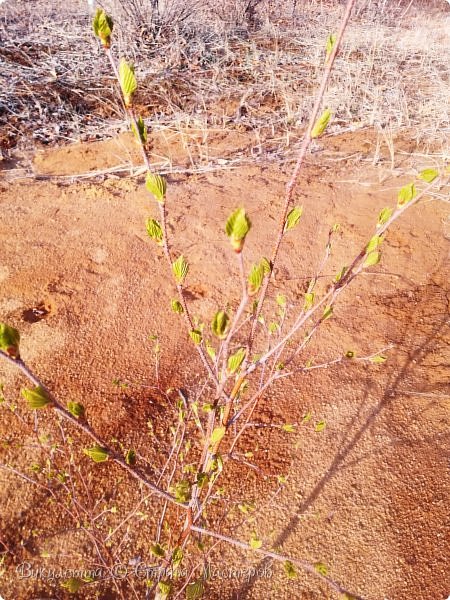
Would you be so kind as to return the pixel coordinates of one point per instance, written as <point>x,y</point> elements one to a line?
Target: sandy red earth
<point>367,496</point>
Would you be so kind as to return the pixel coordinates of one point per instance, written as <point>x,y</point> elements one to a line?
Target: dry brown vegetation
<point>360,486</point>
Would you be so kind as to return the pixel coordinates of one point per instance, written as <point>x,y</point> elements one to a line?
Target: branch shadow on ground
<point>392,390</point>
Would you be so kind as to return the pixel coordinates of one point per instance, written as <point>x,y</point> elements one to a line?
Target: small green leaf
<point>220,323</point>
<point>102,25</point>
<point>9,340</point>
<point>130,457</point>
<point>255,543</point>
<point>141,131</point>
<point>237,227</point>
<point>293,217</point>
<point>281,300</point>
<point>428,175</point>
<point>97,453</point>
<point>182,490</point>
<point>406,194</point>
<point>211,351</point>
<point>331,40</point>
<point>76,409</point>
<point>289,569</point>
<point>127,81</point>
<point>373,244</point>
<point>217,435</point>
<point>372,259</point>
<point>196,336</point>
<point>156,185</point>
<point>235,361</point>
<point>379,359</point>
<point>327,313</point>
<point>154,231</point>
<point>36,398</point>
<point>340,275</point>
<point>384,216</point>
<point>321,568</point>
<point>195,590</point>
<point>266,266</point>
<point>321,123</point>
<point>273,327</point>
<point>163,591</point>
<point>309,300</point>
<point>177,307</point>
<point>157,550</point>
<point>180,269</point>
<point>256,278</point>
<point>177,557</point>
<point>246,507</point>
<point>320,426</point>
<point>289,427</point>
<point>307,417</point>
<point>72,585</point>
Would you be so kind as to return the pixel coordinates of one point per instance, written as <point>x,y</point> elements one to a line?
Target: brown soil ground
<point>368,496</point>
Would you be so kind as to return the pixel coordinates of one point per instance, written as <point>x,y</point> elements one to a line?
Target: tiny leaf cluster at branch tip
<point>156,185</point>
<point>103,26</point>
<point>9,340</point>
<point>140,130</point>
<point>237,227</point>
<point>128,83</point>
<point>235,361</point>
<point>406,194</point>
<point>176,306</point>
<point>331,41</point>
<point>321,124</point>
<point>76,409</point>
<point>36,398</point>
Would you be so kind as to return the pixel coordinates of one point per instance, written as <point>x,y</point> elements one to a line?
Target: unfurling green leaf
<point>237,227</point>
<point>217,435</point>
<point>211,351</point>
<point>255,278</point>
<point>127,81</point>
<point>182,490</point>
<point>340,275</point>
<point>9,340</point>
<point>373,244</point>
<point>379,359</point>
<point>331,40</point>
<point>130,457</point>
<point>102,25</point>
<point>177,557</point>
<point>196,336</point>
<point>180,269</point>
<point>220,323</point>
<point>321,568</point>
<point>384,216</point>
<point>289,569</point>
<point>321,123</point>
<point>309,300</point>
<point>36,398</point>
<point>157,550</point>
<point>428,175</point>
<point>235,361</point>
<point>72,585</point>
<point>156,185</point>
<point>266,266</point>
<point>195,590</point>
<point>176,306</point>
<point>289,427</point>
<point>320,426</point>
<point>255,543</point>
<point>97,453</point>
<point>76,409</point>
<point>293,217</point>
<point>163,591</point>
<point>406,194</point>
<point>372,259</point>
<point>327,312</point>
<point>154,231</point>
<point>140,131</point>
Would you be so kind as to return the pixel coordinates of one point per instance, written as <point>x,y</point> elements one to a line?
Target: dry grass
<point>207,73</point>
